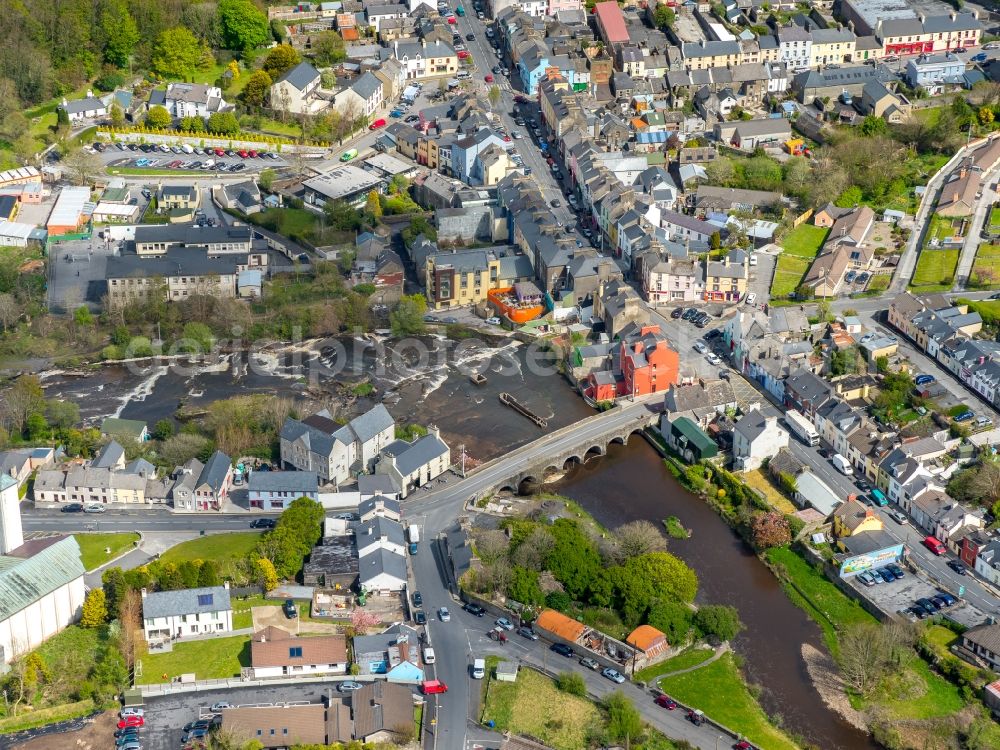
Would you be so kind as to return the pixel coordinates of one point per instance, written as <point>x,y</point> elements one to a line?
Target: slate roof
<point>378,528</point>
<point>300,76</point>
<point>35,569</point>
<point>411,456</point>
<point>177,261</point>
<point>986,636</point>
<point>284,481</point>
<point>109,456</point>
<point>752,425</point>
<point>382,706</point>
<point>215,471</point>
<point>366,86</point>
<point>381,561</point>
<point>185,602</point>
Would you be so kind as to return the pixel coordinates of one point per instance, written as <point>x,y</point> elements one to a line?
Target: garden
<point>935,271</point>
<point>208,659</point>
<point>799,249</point>
<point>985,272</point>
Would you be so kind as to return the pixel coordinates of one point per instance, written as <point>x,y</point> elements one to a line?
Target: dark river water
<point>629,483</point>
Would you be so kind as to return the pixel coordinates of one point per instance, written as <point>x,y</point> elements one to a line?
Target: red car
<point>252,154</point>
<point>220,152</point>
<point>243,154</point>
<point>433,687</point>
<point>666,701</point>
<point>131,721</point>
<point>462,54</point>
<point>488,78</point>
<point>452,20</point>
<point>506,139</point>
<point>743,745</point>
<point>379,123</point>
<point>521,99</point>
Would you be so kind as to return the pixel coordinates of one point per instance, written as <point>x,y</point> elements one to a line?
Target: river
<point>631,482</point>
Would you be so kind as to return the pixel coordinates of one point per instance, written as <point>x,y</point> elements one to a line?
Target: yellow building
<point>853,518</point>
<point>170,197</point>
<point>462,278</point>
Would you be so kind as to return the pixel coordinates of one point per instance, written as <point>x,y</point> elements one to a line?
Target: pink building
<point>611,23</point>
<point>557,5</point>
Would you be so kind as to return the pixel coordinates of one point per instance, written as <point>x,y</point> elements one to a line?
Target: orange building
<point>648,363</point>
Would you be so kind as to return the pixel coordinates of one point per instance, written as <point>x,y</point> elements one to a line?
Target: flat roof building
<point>347,183</point>
<point>68,214</point>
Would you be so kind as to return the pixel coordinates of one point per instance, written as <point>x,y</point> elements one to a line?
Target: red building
<point>611,23</point>
<point>647,362</point>
<point>971,544</point>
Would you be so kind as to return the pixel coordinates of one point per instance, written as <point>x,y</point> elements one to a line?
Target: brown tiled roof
<point>987,636</point>
<point>280,726</point>
<point>382,706</point>
<point>560,624</point>
<point>272,646</point>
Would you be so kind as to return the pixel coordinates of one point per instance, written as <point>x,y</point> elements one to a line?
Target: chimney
<point>953,15</point>
<point>225,585</point>
<point>144,593</point>
<point>922,18</point>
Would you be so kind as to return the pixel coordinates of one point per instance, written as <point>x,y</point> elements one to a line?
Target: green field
<point>533,705</point>
<point>291,222</point>
<point>935,270</point>
<point>799,248</point>
<point>92,547</point>
<point>209,659</point>
<point>718,690</point>
<point>995,216</point>
<point>879,283</point>
<point>986,267</point>
<point>915,692</point>
<point>221,548</point>
<point>683,660</point>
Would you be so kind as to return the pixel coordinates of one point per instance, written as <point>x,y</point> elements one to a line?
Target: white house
<point>177,614</point>
<point>362,98</point>
<point>275,490</point>
<point>988,562</point>
<point>756,437</point>
<point>203,486</point>
<point>277,653</point>
<point>412,465</point>
<point>295,91</point>
<point>336,452</point>
<point>382,571</point>
<point>41,581</point>
<point>423,60</point>
<point>87,108</point>
<point>380,533</point>
<point>190,100</point>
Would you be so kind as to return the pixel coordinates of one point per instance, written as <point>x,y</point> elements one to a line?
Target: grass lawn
<point>941,228</point>
<point>935,268</point>
<point>986,267</point>
<point>929,115</point>
<point>760,480</point>
<point>684,660</point>
<point>222,548</point>
<point>277,127</point>
<point>92,547</point>
<point>995,216</point>
<point>718,690</point>
<point>788,274</point>
<point>824,602</point>
<point>243,617</point>
<point>915,692</point>
<point>940,637</point>
<point>287,221</point>
<point>535,706</point>
<point>879,283</point>
<point>209,659</point>
<point>805,240</point>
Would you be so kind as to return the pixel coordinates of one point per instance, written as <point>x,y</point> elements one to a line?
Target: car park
<point>590,663</point>
<point>948,599</point>
<point>562,649</point>
<point>614,675</point>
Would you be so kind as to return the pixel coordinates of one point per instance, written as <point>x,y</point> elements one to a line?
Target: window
<point>295,652</point>
<point>205,600</point>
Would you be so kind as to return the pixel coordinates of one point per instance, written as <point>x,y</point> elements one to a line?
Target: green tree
<point>721,621</point>
<point>985,116</point>
<point>650,578</point>
<point>62,414</point>
<point>408,317</point>
<point>328,48</point>
<point>624,721</point>
<point>164,429</point>
<point>115,587</point>
<point>279,59</point>
<point>873,125</point>
<point>121,35</point>
<point>177,54</point>
<point>342,216</point>
<point>257,91</point>
<point>572,683</point>
<point>882,364</point>
<point>673,619</point>
<point>573,559</point>
<point>242,25</point>
<point>664,16</point>
<point>266,179</point>
<point>110,673</point>
<point>197,337</point>
<point>223,123</point>
<point>374,205</point>
<point>524,587</point>
<point>558,600</point>
<point>192,124</point>
<point>494,95</point>
<point>158,117</point>
<point>298,530</point>
<point>95,609</point>
<point>117,115</point>
<point>715,241</point>
<point>82,316</point>
<point>208,574</point>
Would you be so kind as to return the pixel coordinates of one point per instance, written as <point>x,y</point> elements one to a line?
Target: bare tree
<point>82,164</point>
<point>637,538</point>
<point>531,552</point>
<point>491,546</point>
<point>10,310</point>
<point>868,653</point>
<point>986,483</point>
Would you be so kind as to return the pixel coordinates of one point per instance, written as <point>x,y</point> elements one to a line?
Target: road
<point>984,203</point>
<point>156,518</point>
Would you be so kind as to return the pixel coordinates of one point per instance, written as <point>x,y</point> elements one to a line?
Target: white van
<point>478,669</point>
<point>842,465</point>
<point>429,657</point>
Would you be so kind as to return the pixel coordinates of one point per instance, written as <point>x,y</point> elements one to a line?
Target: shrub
<point>572,683</point>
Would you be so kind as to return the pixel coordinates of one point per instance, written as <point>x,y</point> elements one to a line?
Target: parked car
<point>886,575</point>
<point>866,578</point>
<point>957,567</point>
<point>348,686</point>
<point>528,633</point>
<point>72,508</point>
<point>919,612</point>
<point>474,609</point>
<point>220,706</point>
<point>949,600</point>
<point>94,508</point>
<point>677,313</point>
<point>504,623</point>
<point>444,615</point>
<point>896,571</point>
<point>700,347</point>
<point>939,602</point>
<point>665,701</point>
<point>926,605</point>
<point>751,298</point>
<point>696,717</point>
<point>131,711</point>
<point>263,523</point>
<point>562,649</point>
<point>419,617</point>
<point>418,599</point>
<point>290,610</point>
<point>898,517</point>
<point>433,687</point>
<point>590,663</point>
<point>131,721</point>
<point>614,675</point>
<point>934,545</point>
